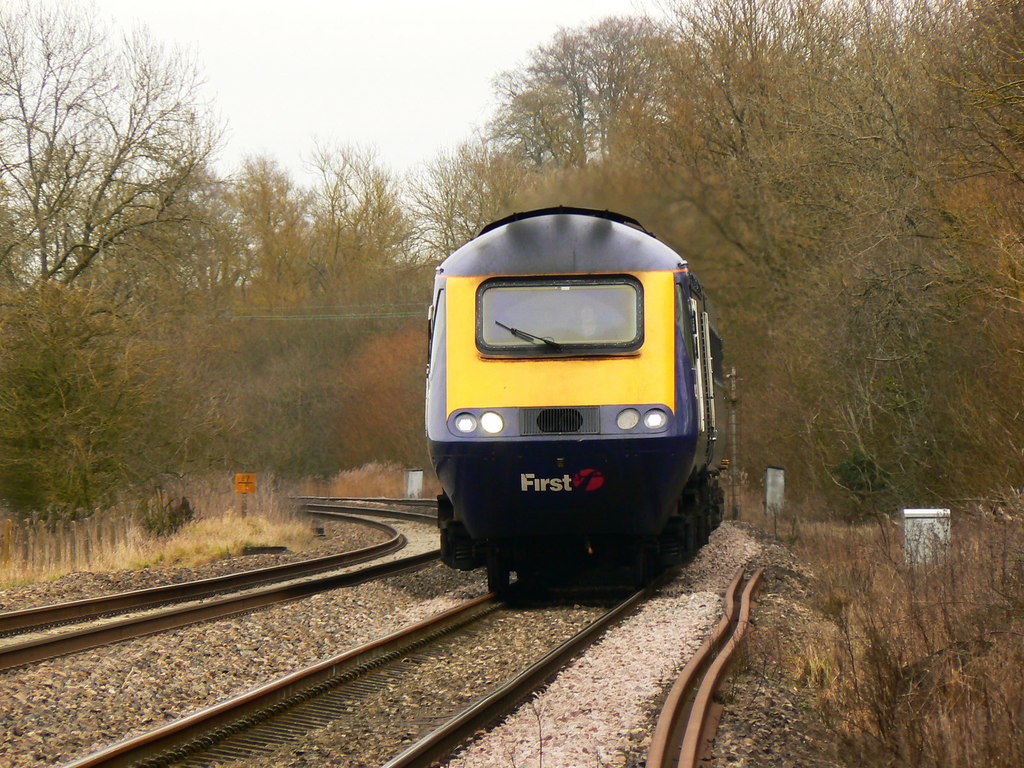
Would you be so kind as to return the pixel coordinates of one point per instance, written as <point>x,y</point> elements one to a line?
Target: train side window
<point>435,323</point>
<point>684,324</point>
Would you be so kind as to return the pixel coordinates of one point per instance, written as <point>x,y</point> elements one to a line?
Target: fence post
<point>8,531</point>
<point>86,546</point>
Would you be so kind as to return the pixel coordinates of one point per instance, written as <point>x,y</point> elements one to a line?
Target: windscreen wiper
<point>526,336</point>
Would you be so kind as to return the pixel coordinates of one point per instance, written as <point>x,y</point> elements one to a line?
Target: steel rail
<point>488,709</point>
<point>368,500</point>
<point>686,725</point>
<point>182,739</point>
<point>37,649</point>
<point>33,619</point>
<point>332,508</point>
<point>202,726</point>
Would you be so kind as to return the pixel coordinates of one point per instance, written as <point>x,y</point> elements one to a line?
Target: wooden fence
<point>44,547</point>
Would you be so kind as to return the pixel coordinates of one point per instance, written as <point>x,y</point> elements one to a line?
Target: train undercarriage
<point>574,559</point>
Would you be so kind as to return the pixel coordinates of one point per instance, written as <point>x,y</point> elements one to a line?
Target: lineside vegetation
<point>847,175</point>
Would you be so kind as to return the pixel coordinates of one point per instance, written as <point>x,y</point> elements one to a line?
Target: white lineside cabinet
<point>413,483</point>
<point>926,534</point>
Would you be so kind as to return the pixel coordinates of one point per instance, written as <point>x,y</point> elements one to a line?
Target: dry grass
<point>224,524</point>
<point>208,539</point>
<point>922,663</point>
<point>372,480</point>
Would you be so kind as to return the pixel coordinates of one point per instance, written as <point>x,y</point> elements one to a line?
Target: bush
<point>162,518</point>
<point>91,401</point>
<point>922,655</point>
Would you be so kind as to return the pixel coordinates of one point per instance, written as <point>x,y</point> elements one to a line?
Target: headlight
<point>492,423</point>
<point>627,419</point>
<point>465,422</point>
<point>655,419</point>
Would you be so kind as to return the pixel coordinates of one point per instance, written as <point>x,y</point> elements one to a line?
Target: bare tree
<point>577,92</point>
<point>458,192</point>
<point>96,140</point>
<point>357,206</point>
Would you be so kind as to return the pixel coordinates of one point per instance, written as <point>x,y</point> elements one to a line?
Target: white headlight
<point>492,423</point>
<point>627,419</point>
<point>655,419</point>
<point>465,422</point>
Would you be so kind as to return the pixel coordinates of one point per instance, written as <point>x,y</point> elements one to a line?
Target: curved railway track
<point>286,710</point>
<point>102,620</point>
<point>35,619</point>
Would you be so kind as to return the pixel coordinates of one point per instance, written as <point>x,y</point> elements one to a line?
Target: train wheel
<point>498,573</point>
<point>650,567</point>
<point>672,543</point>
<point>703,526</point>
<point>691,536</point>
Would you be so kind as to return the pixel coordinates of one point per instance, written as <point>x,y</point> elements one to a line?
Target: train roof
<point>561,241</point>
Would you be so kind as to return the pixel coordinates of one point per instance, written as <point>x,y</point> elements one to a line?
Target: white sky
<point>409,78</point>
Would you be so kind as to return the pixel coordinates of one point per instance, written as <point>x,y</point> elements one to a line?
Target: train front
<point>554,416</point>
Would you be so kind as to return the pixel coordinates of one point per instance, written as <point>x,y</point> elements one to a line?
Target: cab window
<point>560,316</point>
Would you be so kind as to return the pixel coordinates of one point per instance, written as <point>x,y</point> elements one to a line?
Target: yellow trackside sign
<point>245,482</point>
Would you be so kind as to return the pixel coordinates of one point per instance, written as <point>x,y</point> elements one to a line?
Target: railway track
<point>258,722</point>
<point>429,735</point>
<point>388,508</point>
<point>689,717</point>
<point>54,630</point>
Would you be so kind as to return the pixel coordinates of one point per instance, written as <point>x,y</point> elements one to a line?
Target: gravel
<point>424,690</point>
<point>63,708</point>
<point>599,711</point>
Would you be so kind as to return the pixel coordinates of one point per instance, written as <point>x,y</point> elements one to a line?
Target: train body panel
<point>570,395</point>
<point>491,382</point>
<point>561,487</point>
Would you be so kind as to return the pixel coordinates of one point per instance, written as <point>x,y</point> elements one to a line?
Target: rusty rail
<point>689,718</point>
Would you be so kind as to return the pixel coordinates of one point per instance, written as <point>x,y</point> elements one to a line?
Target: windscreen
<point>568,316</point>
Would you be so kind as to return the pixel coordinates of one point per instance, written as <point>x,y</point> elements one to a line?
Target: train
<point>573,389</point>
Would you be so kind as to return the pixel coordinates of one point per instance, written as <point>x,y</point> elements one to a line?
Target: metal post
<point>734,463</point>
<point>774,494</point>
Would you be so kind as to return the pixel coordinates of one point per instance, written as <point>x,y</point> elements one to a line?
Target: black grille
<point>560,421</point>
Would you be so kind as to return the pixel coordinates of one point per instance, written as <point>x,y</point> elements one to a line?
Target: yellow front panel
<point>478,382</point>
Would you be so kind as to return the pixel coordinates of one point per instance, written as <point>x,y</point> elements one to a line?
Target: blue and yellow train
<point>573,388</point>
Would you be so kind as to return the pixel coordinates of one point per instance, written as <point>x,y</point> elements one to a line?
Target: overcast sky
<point>410,78</point>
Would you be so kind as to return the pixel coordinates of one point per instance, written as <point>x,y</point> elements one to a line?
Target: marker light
<point>465,422</point>
<point>627,419</point>
<point>655,419</point>
<point>492,423</point>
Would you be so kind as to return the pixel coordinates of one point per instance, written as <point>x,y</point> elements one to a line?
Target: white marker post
<point>774,494</point>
